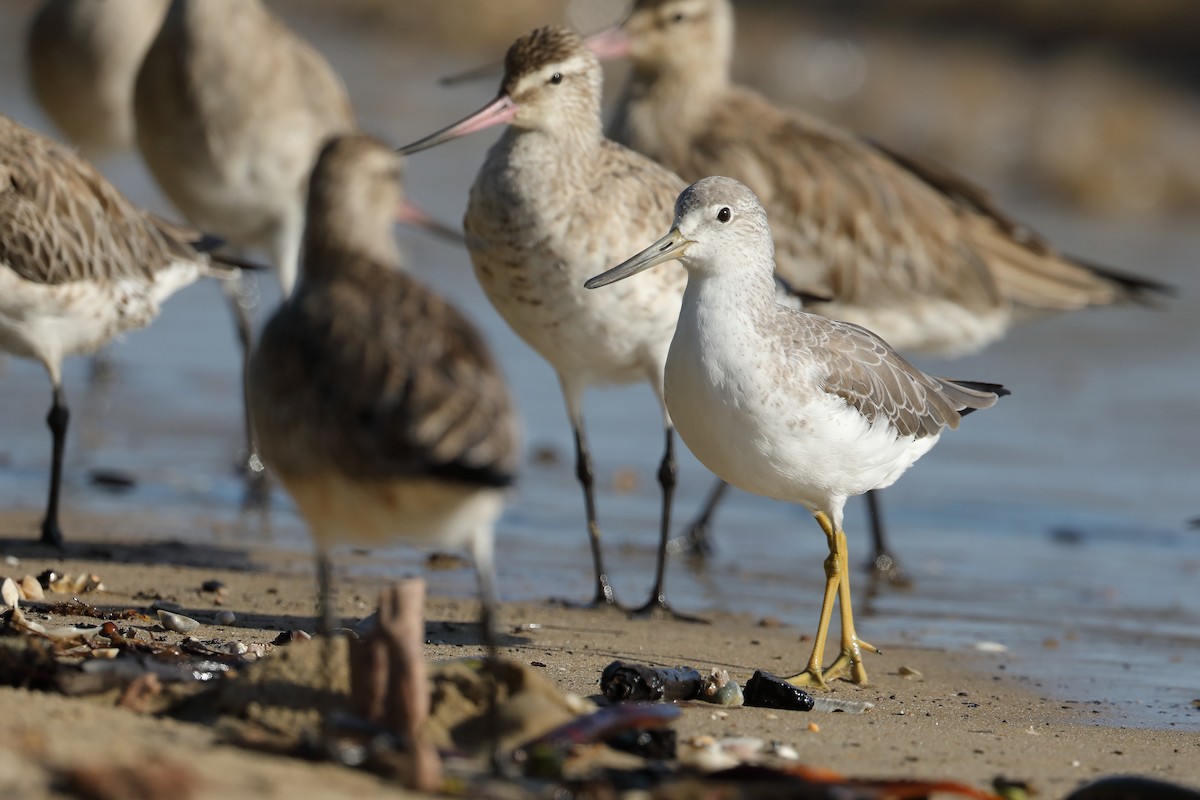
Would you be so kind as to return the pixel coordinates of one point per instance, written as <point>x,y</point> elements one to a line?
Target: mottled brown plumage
<point>554,203</point>
<point>365,371</point>
<point>79,264</point>
<point>63,222</point>
<point>375,401</point>
<point>905,248</point>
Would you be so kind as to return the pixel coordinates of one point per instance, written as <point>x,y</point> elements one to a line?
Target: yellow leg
<point>850,658</point>
<point>835,575</point>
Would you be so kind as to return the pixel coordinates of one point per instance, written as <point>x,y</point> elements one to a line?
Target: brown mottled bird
<point>374,400</point>
<point>79,264</point>
<point>902,247</point>
<point>554,203</point>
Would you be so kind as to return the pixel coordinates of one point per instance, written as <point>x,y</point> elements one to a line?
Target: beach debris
<point>149,778</point>
<point>652,744</point>
<point>1128,787</point>
<point>12,561</point>
<point>544,755</point>
<point>991,647</point>
<point>114,480</point>
<point>225,617</point>
<point>31,589</point>
<point>909,672</point>
<point>622,681</point>
<point>287,637</point>
<point>177,622</point>
<point>9,593</point>
<point>212,585</point>
<point>77,608</point>
<point>716,687</point>
<point>140,694</point>
<point>70,584</point>
<point>388,683</point>
<point>765,690</point>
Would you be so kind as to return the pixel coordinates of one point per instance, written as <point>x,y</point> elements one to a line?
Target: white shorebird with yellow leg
<point>784,403</point>
<point>905,248</point>
<point>554,203</point>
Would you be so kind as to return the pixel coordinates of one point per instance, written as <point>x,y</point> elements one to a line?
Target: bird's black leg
<point>583,471</point>
<point>241,303</point>
<point>696,541</point>
<point>667,473</point>
<point>57,419</point>
<point>884,565</point>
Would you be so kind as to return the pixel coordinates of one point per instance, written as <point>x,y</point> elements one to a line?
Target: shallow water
<point>1055,524</point>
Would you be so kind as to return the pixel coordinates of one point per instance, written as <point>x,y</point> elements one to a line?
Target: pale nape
<point>785,403</point>
<point>553,203</point>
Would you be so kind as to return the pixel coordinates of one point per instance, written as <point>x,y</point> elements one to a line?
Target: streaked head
<point>552,83</point>
<point>671,36</point>
<point>720,225</point>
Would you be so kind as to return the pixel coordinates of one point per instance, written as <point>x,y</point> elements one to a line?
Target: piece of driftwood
<point>388,683</point>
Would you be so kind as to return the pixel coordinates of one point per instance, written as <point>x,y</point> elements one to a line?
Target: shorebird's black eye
<point>556,78</point>
<point>724,214</point>
<point>677,18</point>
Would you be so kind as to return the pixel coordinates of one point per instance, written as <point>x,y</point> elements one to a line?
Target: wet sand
<point>967,718</point>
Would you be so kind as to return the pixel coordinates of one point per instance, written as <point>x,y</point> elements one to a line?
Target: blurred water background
<point>1061,524</point>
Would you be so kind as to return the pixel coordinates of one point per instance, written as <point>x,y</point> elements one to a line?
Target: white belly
<point>784,442</point>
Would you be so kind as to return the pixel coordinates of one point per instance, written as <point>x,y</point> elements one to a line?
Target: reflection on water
<point>1054,524</point>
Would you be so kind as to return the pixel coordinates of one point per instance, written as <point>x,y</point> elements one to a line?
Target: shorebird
<point>903,247</point>
<point>784,403</point>
<point>552,205</point>
<point>375,402</point>
<point>232,109</point>
<point>83,56</point>
<point>79,264</point>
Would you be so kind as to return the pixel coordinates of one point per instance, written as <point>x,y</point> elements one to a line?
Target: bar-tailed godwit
<point>79,264</point>
<point>374,400</point>
<point>83,57</point>
<point>553,203</point>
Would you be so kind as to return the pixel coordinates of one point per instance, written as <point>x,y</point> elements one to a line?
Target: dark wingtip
<point>981,386</point>
<point>1135,288</point>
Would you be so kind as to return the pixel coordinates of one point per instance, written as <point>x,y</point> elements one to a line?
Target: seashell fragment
<point>31,589</point>
<point>177,622</point>
<point>225,617</point>
<point>9,593</point>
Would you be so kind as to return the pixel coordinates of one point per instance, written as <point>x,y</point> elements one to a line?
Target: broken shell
<point>31,589</point>
<point>106,652</point>
<point>236,648</point>
<point>716,687</point>
<point>729,695</point>
<point>224,617</point>
<point>11,561</point>
<point>177,622</point>
<point>9,593</point>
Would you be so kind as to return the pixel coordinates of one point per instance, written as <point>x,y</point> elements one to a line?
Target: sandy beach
<point>962,717</point>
